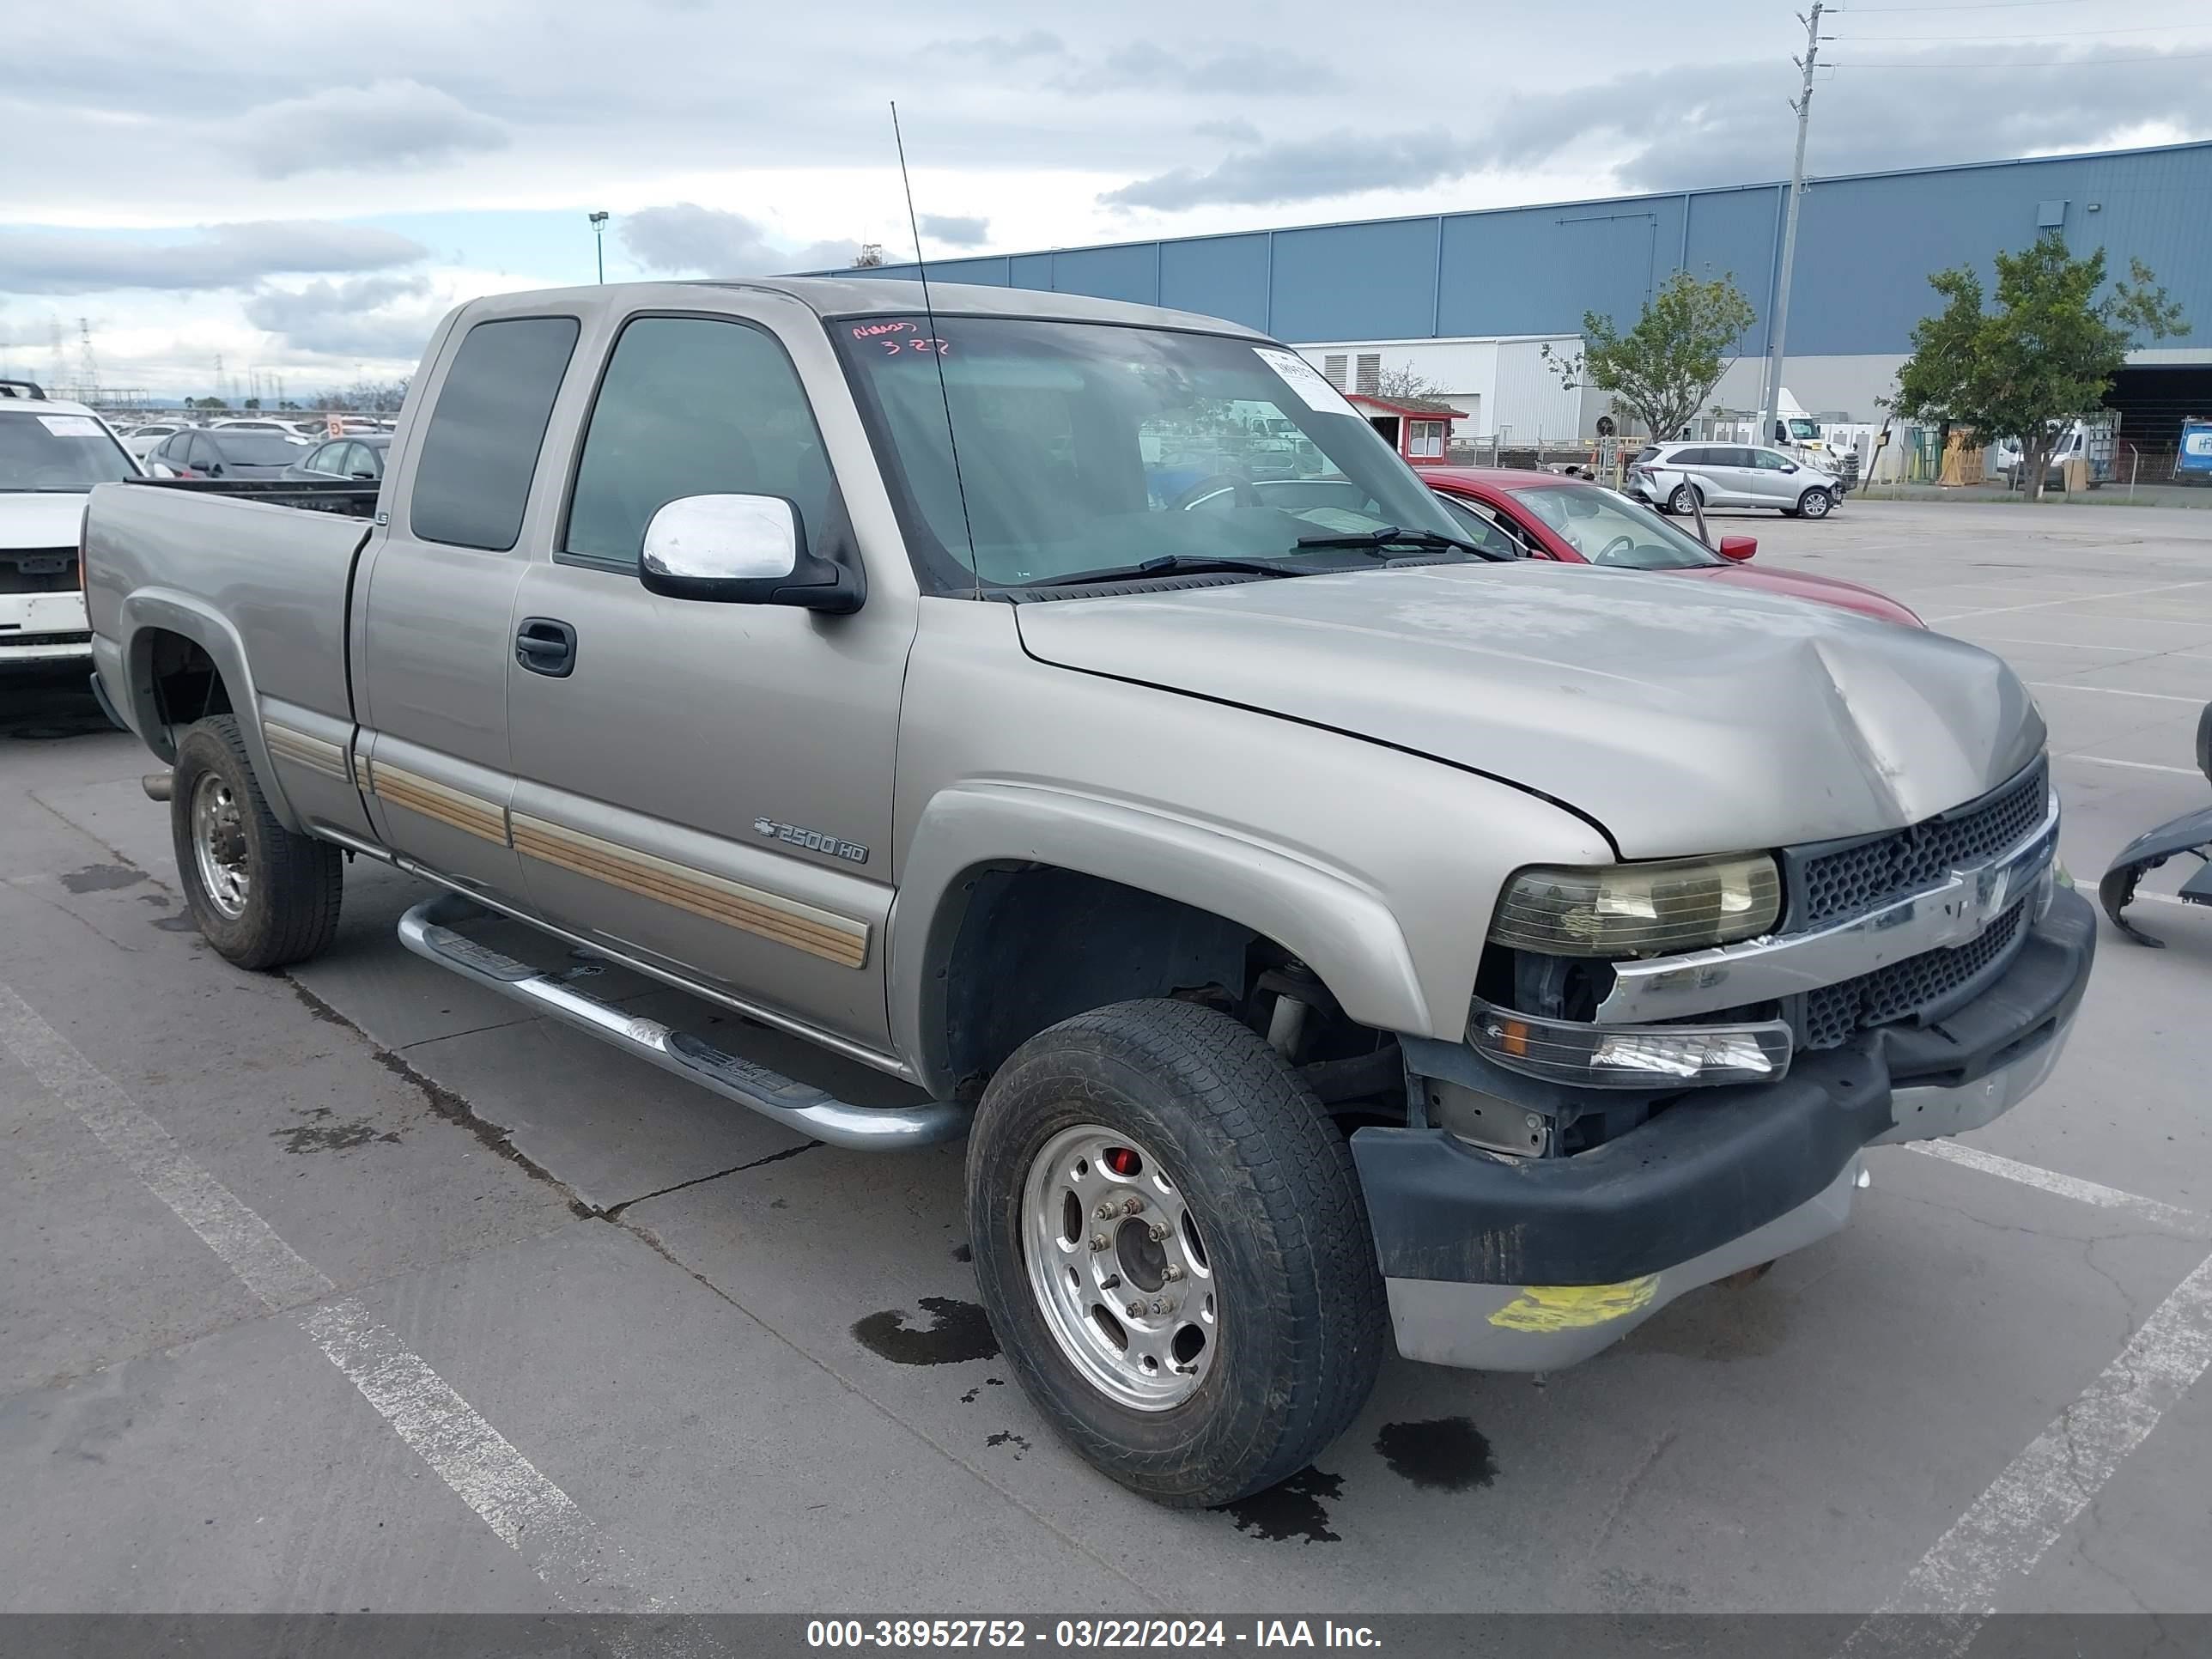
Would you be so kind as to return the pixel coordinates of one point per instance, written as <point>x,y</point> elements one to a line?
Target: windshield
<point>1611,530</point>
<point>1088,447</point>
<point>64,453</point>
<point>252,448</point>
<point>1802,429</point>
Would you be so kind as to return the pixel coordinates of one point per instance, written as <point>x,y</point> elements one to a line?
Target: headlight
<point>1639,909</point>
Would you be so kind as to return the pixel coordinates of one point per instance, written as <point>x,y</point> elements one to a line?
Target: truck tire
<point>261,895</point>
<point>1211,1340</point>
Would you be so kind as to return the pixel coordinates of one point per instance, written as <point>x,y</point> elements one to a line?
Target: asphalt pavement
<point>358,1289</point>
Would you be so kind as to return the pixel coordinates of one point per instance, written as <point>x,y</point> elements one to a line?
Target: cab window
<point>693,406</point>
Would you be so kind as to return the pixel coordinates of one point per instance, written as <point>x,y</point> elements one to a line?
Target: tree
<point>1403,382</point>
<point>1665,367</point>
<point>2042,360</point>
<point>870,255</point>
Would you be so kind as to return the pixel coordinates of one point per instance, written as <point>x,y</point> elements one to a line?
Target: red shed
<point>1417,427</point>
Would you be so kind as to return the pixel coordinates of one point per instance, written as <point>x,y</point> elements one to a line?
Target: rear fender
<point>150,612</point>
<point>2191,833</point>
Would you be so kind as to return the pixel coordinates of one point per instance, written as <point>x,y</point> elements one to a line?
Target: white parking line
<point>2072,599</point>
<point>585,1570</point>
<point>2006,1530</point>
<point>2066,1186</point>
<point>2136,766</point>
<point>2114,692</point>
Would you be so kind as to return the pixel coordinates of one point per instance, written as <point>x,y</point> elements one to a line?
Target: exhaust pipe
<point>158,786</point>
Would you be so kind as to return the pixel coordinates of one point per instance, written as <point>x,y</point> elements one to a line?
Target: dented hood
<point>1681,716</point>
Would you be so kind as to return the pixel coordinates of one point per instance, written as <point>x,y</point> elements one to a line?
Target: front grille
<point>8,639</point>
<point>1923,986</point>
<point>1841,880</point>
<point>37,570</point>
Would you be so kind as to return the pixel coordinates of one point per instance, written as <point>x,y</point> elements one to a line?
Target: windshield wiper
<point>1390,536</point>
<point>1170,564</point>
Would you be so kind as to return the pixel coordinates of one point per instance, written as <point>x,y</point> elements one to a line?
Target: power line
<point>1964,5</point>
<point>2040,62</point>
<point>2054,34</point>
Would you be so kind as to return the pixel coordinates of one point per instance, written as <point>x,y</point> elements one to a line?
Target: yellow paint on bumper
<point>1571,1306</point>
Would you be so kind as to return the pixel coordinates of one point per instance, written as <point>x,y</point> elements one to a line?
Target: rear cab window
<point>480,454</point>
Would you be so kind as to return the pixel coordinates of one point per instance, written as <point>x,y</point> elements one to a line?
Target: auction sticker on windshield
<point>1303,378</point>
<point>70,426</point>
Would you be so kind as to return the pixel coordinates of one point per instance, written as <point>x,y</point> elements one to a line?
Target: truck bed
<point>220,563</point>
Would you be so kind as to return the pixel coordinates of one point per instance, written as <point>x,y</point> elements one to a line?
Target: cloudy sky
<point>302,189</point>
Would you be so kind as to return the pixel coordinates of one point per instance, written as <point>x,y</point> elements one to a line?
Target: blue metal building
<point>1865,244</point>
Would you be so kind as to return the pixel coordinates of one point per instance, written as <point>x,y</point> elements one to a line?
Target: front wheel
<point>1684,500</point>
<point>1172,1246</point>
<point>1815,504</point>
<point>261,895</point>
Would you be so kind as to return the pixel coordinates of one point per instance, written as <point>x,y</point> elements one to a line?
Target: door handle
<point>546,646</point>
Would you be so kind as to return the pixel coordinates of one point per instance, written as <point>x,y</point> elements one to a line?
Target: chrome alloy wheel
<point>219,845</point>
<point>1119,1269</point>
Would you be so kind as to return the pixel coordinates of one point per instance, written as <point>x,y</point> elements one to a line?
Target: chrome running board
<point>431,930</point>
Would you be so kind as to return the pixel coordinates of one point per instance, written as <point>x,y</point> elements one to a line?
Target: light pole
<point>599,237</point>
<point>1781,329</point>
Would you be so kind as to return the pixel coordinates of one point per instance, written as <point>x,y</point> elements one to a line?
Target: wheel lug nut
<point>1136,1311</point>
<point>1158,1232</point>
<point>1106,1213</point>
<point>1100,1241</point>
<point>1111,1282</point>
<point>1172,1272</point>
<point>1159,1304</point>
<point>1132,1205</point>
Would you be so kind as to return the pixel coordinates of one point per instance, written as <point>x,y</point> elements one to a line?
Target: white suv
<point>1731,475</point>
<point>51,453</point>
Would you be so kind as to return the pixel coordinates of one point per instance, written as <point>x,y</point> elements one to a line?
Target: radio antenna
<point>937,351</point>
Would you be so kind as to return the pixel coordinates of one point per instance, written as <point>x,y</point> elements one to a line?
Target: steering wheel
<point>1242,491</point>
<point>1622,543</point>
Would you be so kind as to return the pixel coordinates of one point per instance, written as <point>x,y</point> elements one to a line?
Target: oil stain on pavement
<point>1292,1509</point>
<point>1445,1453</point>
<point>102,878</point>
<point>318,1134</point>
<point>957,1331</point>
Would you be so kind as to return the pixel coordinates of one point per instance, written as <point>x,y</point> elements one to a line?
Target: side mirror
<point>741,549</point>
<point>214,470</point>
<point>1789,467</point>
<point>1738,548</point>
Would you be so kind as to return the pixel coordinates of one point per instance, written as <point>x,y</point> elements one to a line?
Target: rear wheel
<point>263,896</point>
<point>1684,500</point>
<point>1173,1250</point>
<point>1814,504</point>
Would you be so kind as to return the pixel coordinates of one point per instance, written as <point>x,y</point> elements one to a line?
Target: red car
<point>1549,517</point>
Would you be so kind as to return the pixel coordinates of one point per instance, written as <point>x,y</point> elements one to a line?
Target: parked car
<point>1546,515</point>
<point>253,423</point>
<point>359,460</point>
<point>1326,930</point>
<point>140,439</point>
<point>1731,475</point>
<point>224,453</point>
<point>51,454</point>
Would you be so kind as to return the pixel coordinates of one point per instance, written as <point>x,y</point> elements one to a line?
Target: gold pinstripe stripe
<point>303,749</point>
<point>472,814</point>
<point>818,932</point>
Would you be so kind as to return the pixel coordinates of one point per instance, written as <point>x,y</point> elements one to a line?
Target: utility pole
<point>1777,335</point>
<point>599,237</point>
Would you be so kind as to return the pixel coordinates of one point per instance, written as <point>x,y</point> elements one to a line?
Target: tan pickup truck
<point>1325,930</point>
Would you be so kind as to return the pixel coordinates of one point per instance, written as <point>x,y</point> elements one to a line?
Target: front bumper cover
<point>1463,1236</point>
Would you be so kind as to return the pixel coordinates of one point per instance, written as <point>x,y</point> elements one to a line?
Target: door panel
<point>437,606</point>
<point>655,782</point>
<point>710,785</point>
